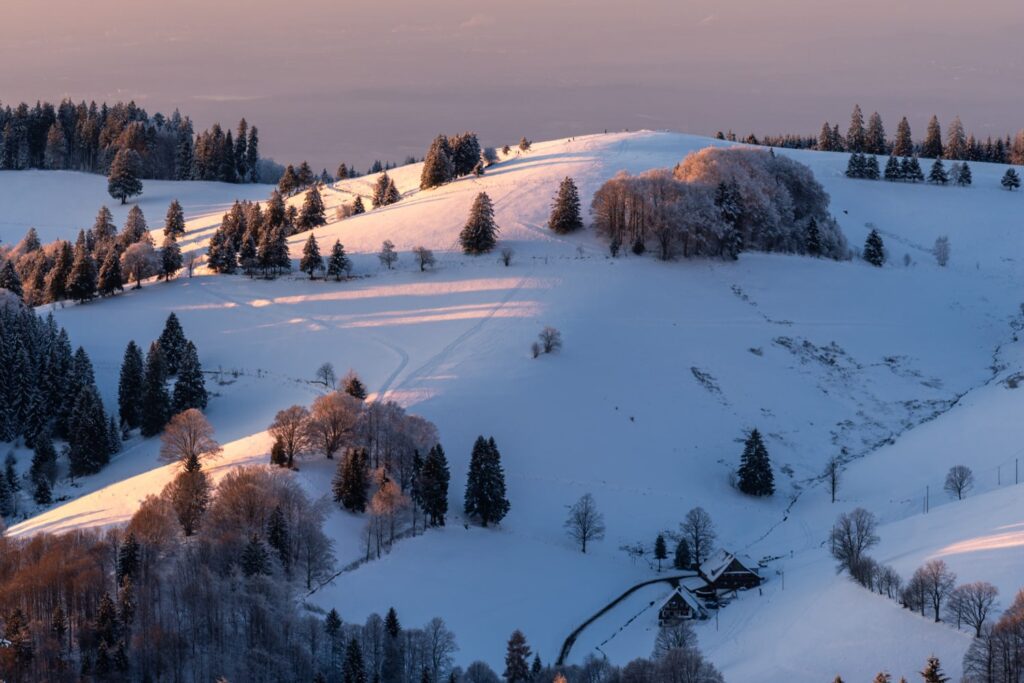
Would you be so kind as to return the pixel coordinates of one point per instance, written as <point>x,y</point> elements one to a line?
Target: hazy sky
<point>332,80</point>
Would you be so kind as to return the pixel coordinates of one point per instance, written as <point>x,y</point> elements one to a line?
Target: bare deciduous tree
<point>585,523</point>
<point>670,637</point>
<point>333,420</point>
<point>325,374</point>
<point>425,257</point>
<point>832,476</point>
<point>937,581</point>
<point>387,254</point>
<point>852,535</point>
<point>550,339</point>
<point>188,437</point>
<point>506,255</point>
<point>971,604</point>
<point>291,428</point>
<point>699,532</point>
<point>959,480</point>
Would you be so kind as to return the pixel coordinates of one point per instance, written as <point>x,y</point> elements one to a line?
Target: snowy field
<point>664,367</point>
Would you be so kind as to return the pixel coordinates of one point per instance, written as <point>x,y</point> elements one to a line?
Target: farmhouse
<point>680,606</point>
<point>727,571</point>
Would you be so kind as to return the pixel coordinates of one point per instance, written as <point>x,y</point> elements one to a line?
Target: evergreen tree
<point>103,228</point>
<point>278,537</point>
<point>380,195</point>
<point>57,278</point>
<point>88,444</point>
<point>110,278</point>
<point>874,249</point>
<point>338,263</point>
<point>517,655</point>
<point>352,480</point>
<point>354,386</point>
<point>964,177</point>
<point>755,476</point>
<point>44,461</point>
<point>128,558</point>
<point>855,166</point>
<point>485,484</point>
<point>190,387</point>
<point>221,255</point>
<point>914,173</point>
<point>312,214</point>
<point>352,670</point>
<point>156,403</point>
<point>565,213</point>
<point>42,493</point>
<point>856,136</point>
<point>391,193</point>
<point>956,140</point>
<point>129,387</point>
<point>433,486</point>
<point>81,284</point>
<point>438,167</point>
<point>931,148</point>
<point>938,173</point>
<point>123,180</point>
<point>248,256</point>
<point>874,137</point>
<point>903,145</point>
<point>174,223</point>
<point>660,550</point>
<point>311,261</point>
<point>480,232</point>
<point>255,560</point>
<point>871,170</point>
<point>9,279</point>
<point>682,558</point>
<point>465,153</point>
<point>357,206</point>
<point>172,342</point>
<point>892,169</point>
<point>252,155</point>
<point>1011,180</point>
<point>170,258</point>
<point>933,672</point>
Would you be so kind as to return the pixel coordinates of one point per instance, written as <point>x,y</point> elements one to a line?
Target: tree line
<point>101,262</point>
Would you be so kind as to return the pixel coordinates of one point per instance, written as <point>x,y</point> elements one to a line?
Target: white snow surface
<point>664,367</point>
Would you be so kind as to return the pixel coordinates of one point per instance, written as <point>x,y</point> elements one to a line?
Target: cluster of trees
<point>719,202</point>
<point>997,653</point>
<point>931,673</point>
<point>254,238</point>
<point>694,541</point>
<point>908,169</point>
<point>335,265</point>
<point>454,157</point>
<point>46,392</point>
<point>83,137</point>
<point>100,263</point>
<point>144,602</point>
<point>294,180</point>
<point>143,399</point>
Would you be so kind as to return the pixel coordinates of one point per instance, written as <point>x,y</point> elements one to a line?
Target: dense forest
<point>83,137</point>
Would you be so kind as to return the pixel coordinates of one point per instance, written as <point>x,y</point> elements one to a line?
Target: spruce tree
<point>278,537</point>
<point>465,149</point>
<point>129,387</point>
<point>174,223</point>
<point>914,172</point>
<point>123,180</point>
<point>931,148</point>
<point>190,387</point>
<point>357,206</point>
<point>682,559</point>
<point>517,656</point>
<point>57,278</point>
<point>255,560</point>
<point>81,284</point>
<point>156,403</point>
<point>438,168</point>
<point>485,484</point>
<point>248,256</point>
<point>938,175</point>
<point>933,672</point>
<point>1011,180</point>
<point>170,258</point>
<point>128,558</point>
<point>856,137</point>
<point>855,166</point>
<point>103,228</point>
<point>353,670</point>
<point>88,444</point>
<point>964,177</point>
<point>172,342</point>
<point>871,170</point>
<point>110,278</point>
<point>565,213</point>
<point>312,214</point>
<point>338,263</point>
<point>433,486</point>
<point>874,249</point>
<point>874,137</point>
<point>354,386</point>
<point>9,279</point>
<point>479,235</point>
<point>660,550</point>
<point>903,145</point>
<point>351,480</point>
<point>755,476</point>
<point>381,195</point>
<point>311,261</point>
<point>44,461</point>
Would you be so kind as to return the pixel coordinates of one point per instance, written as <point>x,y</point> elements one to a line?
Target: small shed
<point>727,571</point>
<point>680,606</point>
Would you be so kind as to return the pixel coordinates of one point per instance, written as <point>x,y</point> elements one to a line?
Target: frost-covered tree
<point>140,261</point>
<point>856,137</point>
<point>387,254</point>
<point>963,177</point>
<point>874,249</point>
<point>156,402</point>
<point>88,442</point>
<point>754,476</point>
<point>874,136</point>
<point>941,250</point>
<point>130,387</point>
<point>190,387</point>
<point>338,263</point>
<point>438,167</point>
<point>172,342</point>
<point>123,181</point>
<point>465,153</point>
<point>956,140</point>
<point>1011,180</point>
<point>291,428</point>
<point>188,438</point>
<point>170,258</point>
<point>81,284</point>
<point>174,223</point>
<point>425,257</point>
<point>312,214</point>
<point>353,386</point>
<point>565,212</point>
<point>480,233</point>
<point>937,174</point>
<point>853,534</point>
<point>585,522</point>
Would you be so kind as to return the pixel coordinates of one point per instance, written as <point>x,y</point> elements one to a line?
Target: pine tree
<point>252,155</point>
<point>433,486</point>
<point>485,484</point>
<point>391,193</point>
<point>88,444</point>
<point>855,166</point>
<point>354,386</point>
<point>172,342</point>
<point>465,153</point>
<point>682,559</point>
<point>856,136</point>
<point>174,223</point>
<point>9,279</point>
<point>874,249</point>
<point>438,167</point>
<point>381,195</point>
<point>42,493</point>
<point>660,550</point>
<point>964,177</point>
<point>517,655</point>
<point>565,213</point>
<point>156,404</point>
<point>248,256</point>
<point>352,670</point>
<point>44,461</point>
<point>338,263</point>
<point>123,180</point>
<point>311,261</point>
<point>480,232</point>
<point>128,558</point>
<point>931,148</point>
<point>871,170</point>
<point>874,137</point>
<point>129,388</point>
<point>170,258</point>
<point>110,279</point>
<point>190,387</point>
<point>352,480</point>
<point>1011,180</point>
<point>81,284</point>
<point>938,174</point>
<point>903,145</point>
<point>312,214</point>
<point>221,255</point>
<point>933,671</point>
<point>357,206</point>
<point>892,169</point>
<point>255,561</point>
<point>755,476</point>
<point>278,537</point>
<point>914,173</point>
<point>956,140</point>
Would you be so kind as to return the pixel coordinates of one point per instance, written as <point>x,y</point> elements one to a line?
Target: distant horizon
<point>363,82</point>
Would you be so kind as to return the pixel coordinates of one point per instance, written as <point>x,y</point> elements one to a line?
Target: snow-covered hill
<point>664,367</point>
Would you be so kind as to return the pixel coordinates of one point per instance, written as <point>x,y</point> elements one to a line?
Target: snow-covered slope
<point>664,367</point>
